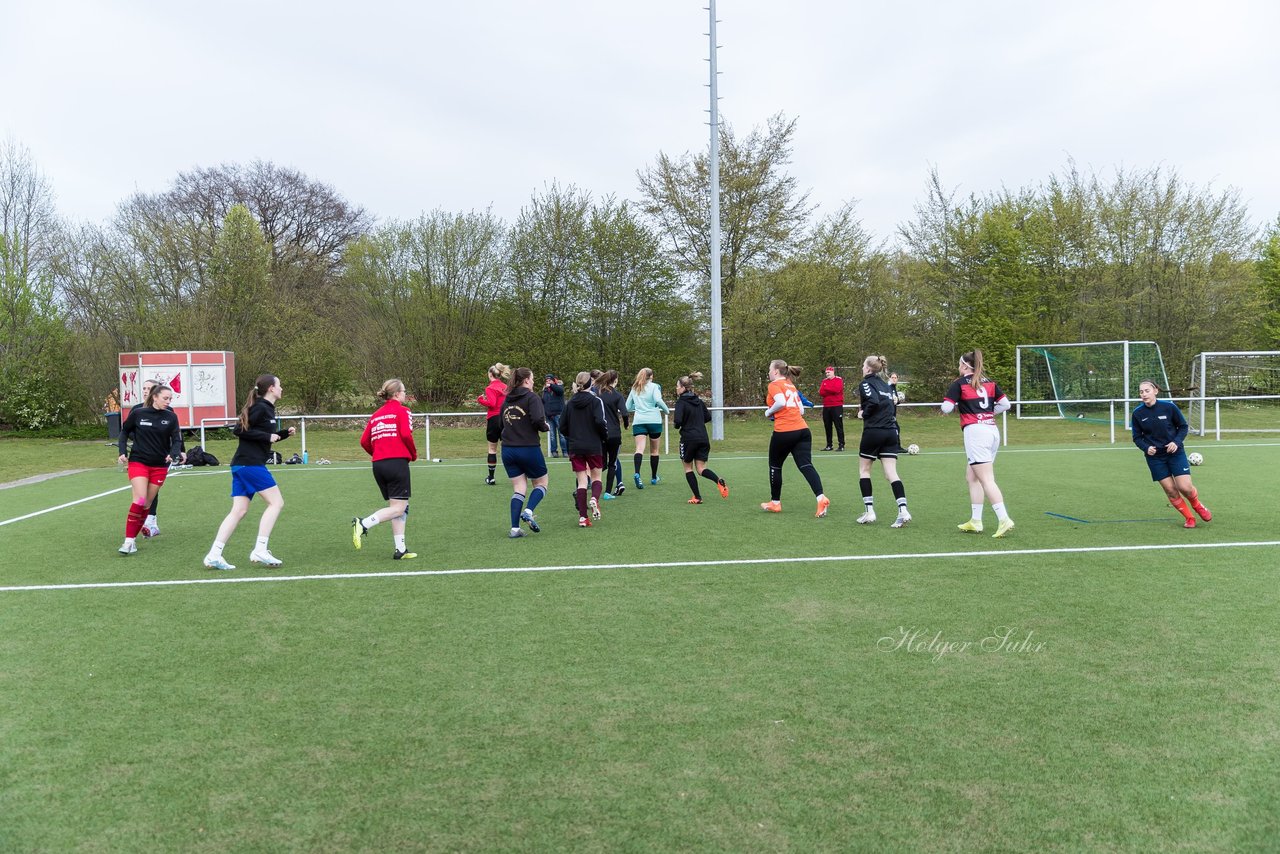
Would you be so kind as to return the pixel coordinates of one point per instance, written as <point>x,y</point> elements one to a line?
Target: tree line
<point>296,280</point>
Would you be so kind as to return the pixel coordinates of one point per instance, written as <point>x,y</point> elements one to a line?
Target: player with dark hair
<point>157,441</point>
<point>151,525</point>
<point>585,427</point>
<point>617,418</point>
<point>1159,430</point>
<point>491,399</point>
<point>257,429</point>
<point>791,437</point>
<point>979,401</point>
<point>523,418</point>
<point>388,439</point>
<point>691,419</point>
<point>879,413</point>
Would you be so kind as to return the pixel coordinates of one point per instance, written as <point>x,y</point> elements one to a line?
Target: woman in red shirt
<point>831,393</point>
<point>491,399</point>
<point>388,438</point>
<point>791,436</point>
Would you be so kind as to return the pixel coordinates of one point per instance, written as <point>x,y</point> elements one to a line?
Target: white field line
<point>726,457</point>
<point>616,566</point>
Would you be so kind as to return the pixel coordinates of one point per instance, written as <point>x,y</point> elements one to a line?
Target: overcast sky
<point>405,107</point>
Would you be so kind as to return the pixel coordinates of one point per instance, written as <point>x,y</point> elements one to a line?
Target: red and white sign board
<point>203,382</point>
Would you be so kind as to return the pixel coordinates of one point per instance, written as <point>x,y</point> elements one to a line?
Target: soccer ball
<point>901,397</point>
<point>1195,459</point>
<point>913,449</point>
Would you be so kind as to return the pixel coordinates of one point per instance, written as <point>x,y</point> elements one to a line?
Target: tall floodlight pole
<point>717,353</point>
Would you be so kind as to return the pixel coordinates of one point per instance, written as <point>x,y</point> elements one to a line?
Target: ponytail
<point>781,366</point>
<point>974,360</point>
<point>390,389</point>
<point>686,382</point>
<point>519,376</point>
<point>260,388</point>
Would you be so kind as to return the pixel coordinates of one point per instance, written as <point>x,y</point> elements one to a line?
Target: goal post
<point>1080,380</point>
<point>1251,378</point>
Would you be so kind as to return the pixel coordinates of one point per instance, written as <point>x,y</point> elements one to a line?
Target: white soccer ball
<point>913,449</point>
<point>901,397</point>
<point>1195,459</point>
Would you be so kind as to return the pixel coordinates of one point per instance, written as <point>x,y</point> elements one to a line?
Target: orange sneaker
<point>823,504</point>
<point>723,487</point>
<point>772,506</point>
<point>1190,523</point>
<point>1200,509</point>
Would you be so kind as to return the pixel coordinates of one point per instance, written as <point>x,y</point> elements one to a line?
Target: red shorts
<point>584,462</point>
<point>153,474</point>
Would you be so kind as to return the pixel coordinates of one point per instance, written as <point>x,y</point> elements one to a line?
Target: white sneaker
<point>264,557</point>
<point>154,528</point>
<point>212,562</point>
<point>129,548</point>
<point>595,507</point>
<point>903,518</point>
<point>867,518</point>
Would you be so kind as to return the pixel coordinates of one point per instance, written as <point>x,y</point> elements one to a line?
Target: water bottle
<point>304,458</point>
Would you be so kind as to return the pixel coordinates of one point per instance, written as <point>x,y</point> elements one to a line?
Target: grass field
<point>675,678</point>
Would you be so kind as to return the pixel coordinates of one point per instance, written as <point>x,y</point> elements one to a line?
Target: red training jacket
<point>832,391</point>
<point>389,433</point>
<point>491,398</point>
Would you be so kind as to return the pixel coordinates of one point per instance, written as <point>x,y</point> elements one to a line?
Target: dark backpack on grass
<point>198,456</point>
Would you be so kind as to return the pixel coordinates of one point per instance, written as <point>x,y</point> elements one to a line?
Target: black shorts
<point>493,430</point>
<point>879,443</point>
<point>393,478</point>
<point>695,451</point>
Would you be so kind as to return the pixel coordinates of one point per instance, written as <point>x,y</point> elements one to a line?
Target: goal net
<point>1080,380</point>
<point>1240,389</point>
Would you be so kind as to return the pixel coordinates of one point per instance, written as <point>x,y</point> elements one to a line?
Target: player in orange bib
<point>790,436</point>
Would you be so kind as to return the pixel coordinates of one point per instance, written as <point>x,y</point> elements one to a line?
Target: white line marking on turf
<point>64,506</point>
<point>656,565</point>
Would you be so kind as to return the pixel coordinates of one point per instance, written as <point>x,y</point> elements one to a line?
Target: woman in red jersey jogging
<point>979,400</point>
<point>388,439</point>
<point>791,437</point>
<point>491,399</point>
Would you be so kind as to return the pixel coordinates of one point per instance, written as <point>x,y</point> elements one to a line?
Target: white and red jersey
<point>975,405</point>
<point>389,433</point>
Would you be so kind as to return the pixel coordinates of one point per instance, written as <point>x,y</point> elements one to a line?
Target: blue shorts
<point>654,430</point>
<point>1169,465</point>
<point>524,460</point>
<point>250,480</point>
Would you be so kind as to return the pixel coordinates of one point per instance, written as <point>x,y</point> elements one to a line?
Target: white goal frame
<point>1199,369</point>
<point>1127,378</point>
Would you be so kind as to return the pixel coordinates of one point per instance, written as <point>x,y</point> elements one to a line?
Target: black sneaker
<point>490,481</point>
<point>827,448</point>
<point>406,555</point>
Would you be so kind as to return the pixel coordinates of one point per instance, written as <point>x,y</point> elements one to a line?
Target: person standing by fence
<point>831,393</point>
<point>553,406</point>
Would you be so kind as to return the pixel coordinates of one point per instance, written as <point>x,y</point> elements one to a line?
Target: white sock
<point>976,512</point>
<point>369,521</point>
<point>130,541</point>
<point>216,549</point>
<point>151,521</point>
<point>1001,513</point>
<point>399,538</point>
<point>262,545</point>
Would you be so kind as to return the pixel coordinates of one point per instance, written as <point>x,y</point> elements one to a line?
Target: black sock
<point>864,483</point>
<point>653,466</point>
<point>638,459</point>
<point>899,493</point>
<point>493,464</point>
<point>155,506</point>
<point>775,483</point>
<point>693,483</point>
<point>710,475</point>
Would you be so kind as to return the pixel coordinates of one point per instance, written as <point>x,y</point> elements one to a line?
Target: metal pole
<point>717,353</point>
<point>1127,410</point>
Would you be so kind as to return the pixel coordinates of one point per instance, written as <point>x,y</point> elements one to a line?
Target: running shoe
<point>129,548</point>
<point>212,562</point>
<point>527,517</point>
<point>827,448</point>
<point>639,482</point>
<point>772,506</point>
<point>1190,522</point>
<point>655,480</point>
<point>489,481</point>
<point>694,501</point>
<point>903,518</point>
<point>403,555</point>
<point>595,507</point>
<point>584,522</point>
<point>358,530</point>
<point>1203,512</point>
<point>867,518</point>
<point>517,533</point>
<point>618,490</point>
<point>607,496</point>
<point>264,557</point>
<point>824,503</point>
<point>973,526</point>
<point>1006,525</point>
<point>723,487</point>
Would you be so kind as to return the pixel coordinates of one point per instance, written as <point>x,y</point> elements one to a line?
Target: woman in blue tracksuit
<point>1159,429</point>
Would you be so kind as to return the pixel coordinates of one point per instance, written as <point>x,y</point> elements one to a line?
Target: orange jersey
<point>791,416</point>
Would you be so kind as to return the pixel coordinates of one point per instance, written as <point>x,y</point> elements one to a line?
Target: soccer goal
<point>1080,380</point>
<point>1251,378</point>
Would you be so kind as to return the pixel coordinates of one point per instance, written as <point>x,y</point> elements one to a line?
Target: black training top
<point>155,433</point>
<point>584,424</point>
<point>523,417</point>
<point>615,411</point>
<point>255,443</point>
<point>691,419</point>
<point>879,409</point>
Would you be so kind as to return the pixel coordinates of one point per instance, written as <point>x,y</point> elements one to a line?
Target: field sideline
<point>676,678</point>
